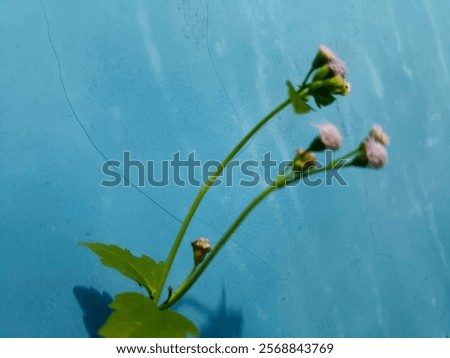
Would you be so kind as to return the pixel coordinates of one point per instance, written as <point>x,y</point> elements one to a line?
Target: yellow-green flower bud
<point>322,73</point>
<point>335,67</point>
<point>304,160</point>
<point>334,85</point>
<point>323,91</point>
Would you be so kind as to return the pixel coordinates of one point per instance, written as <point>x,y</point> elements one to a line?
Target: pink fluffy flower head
<point>338,67</point>
<point>375,153</point>
<point>329,135</point>
<point>323,56</point>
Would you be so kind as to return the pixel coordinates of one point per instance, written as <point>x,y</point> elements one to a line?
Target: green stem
<point>279,183</point>
<point>192,271</point>
<point>303,86</point>
<point>191,279</point>
<point>336,164</point>
<point>212,179</point>
<point>205,188</point>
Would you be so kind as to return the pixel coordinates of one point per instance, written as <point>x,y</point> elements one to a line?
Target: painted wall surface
<point>82,81</point>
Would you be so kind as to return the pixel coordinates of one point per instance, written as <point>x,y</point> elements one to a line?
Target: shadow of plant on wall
<point>95,307</point>
<point>151,315</point>
<point>221,321</point>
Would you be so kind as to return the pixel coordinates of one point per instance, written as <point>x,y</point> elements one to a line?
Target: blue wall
<point>86,80</point>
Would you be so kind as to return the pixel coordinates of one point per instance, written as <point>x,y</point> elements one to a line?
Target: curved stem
<point>212,179</point>
<point>280,182</point>
<point>191,279</point>
<point>192,272</point>
<point>335,164</point>
<point>303,86</point>
<point>205,188</point>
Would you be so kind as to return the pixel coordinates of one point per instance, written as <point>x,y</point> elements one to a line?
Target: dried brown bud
<point>201,247</point>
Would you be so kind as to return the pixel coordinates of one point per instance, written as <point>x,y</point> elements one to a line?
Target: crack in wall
<point>83,128</point>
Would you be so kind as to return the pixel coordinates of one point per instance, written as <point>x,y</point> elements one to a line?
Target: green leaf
<point>135,316</point>
<point>143,270</point>
<point>299,103</point>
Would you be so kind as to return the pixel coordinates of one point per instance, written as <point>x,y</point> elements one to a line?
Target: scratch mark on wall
<point>83,128</point>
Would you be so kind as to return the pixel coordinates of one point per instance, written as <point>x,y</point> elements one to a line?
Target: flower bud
<point>333,85</point>
<point>347,89</point>
<point>323,56</point>
<point>201,247</point>
<point>328,138</point>
<point>322,73</point>
<point>373,154</point>
<point>379,135</point>
<point>323,91</point>
<point>304,160</point>
<point>337,66</point>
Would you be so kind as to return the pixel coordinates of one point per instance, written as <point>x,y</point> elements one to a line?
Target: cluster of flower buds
<point>373,152</point>
<point>304,159</point>
<point>201,247</point>
<point>328,138</point>
<point>329,77</point>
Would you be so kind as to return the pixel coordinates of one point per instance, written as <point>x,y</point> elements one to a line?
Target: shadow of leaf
<point>95,308</point>
<point>222,322</point>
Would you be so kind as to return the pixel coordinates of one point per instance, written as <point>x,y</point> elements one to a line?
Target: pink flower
<point>323,56</point>
<point>375,152</point>
<point>338,67</point>
<point>329,135</point>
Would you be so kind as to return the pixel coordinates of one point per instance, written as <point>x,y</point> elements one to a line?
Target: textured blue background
<point>83,79</point>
